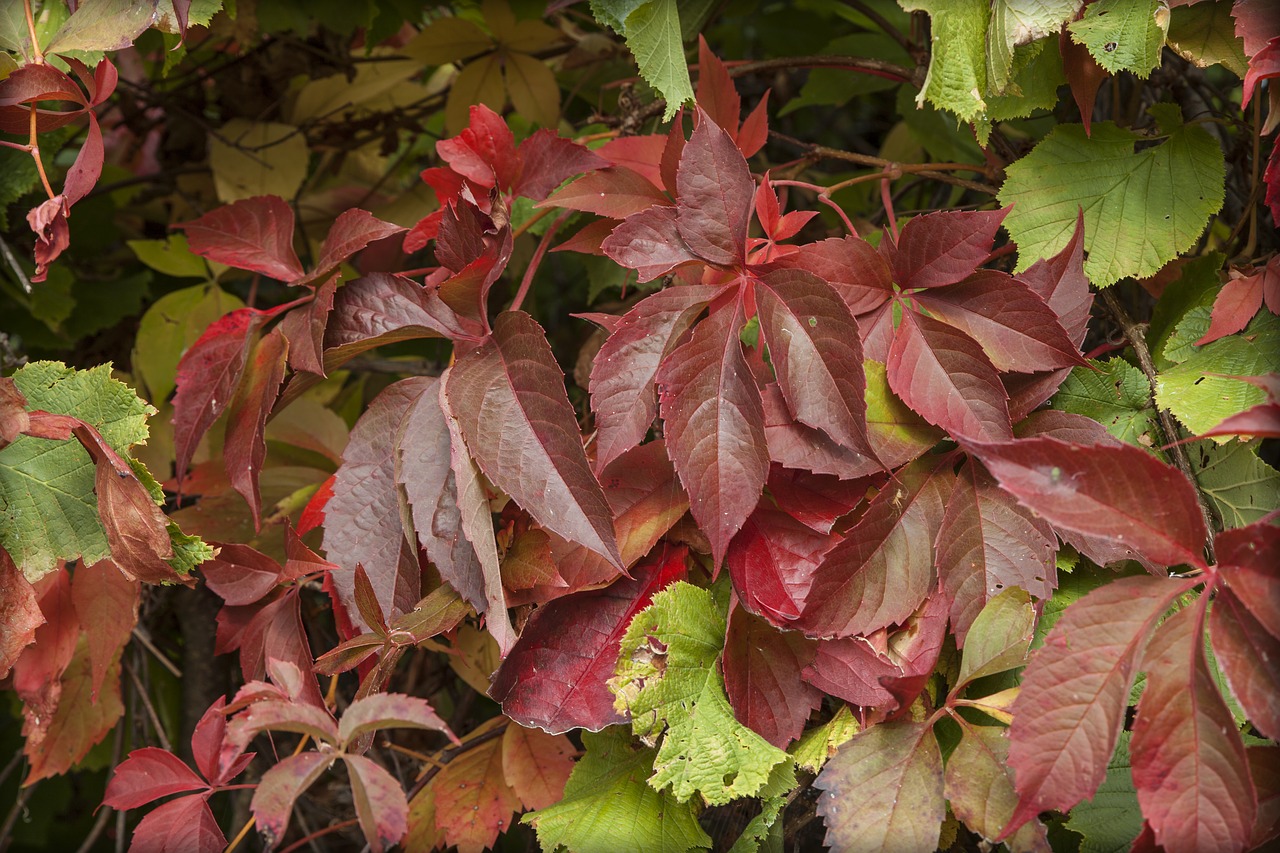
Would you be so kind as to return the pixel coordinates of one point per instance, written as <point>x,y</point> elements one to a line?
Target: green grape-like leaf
<point>1111,820</point>
<point>653,34</point>
<point>1241,487</point>
<point>1140,208</point>
<point>957,78</point>
<point>1116,395</point>
<point>1123,35</point>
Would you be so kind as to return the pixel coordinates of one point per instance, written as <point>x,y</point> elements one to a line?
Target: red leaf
<point>208,375</point>
<point>380,803</point>
<point>713,421</point>
<point>536,455</point>
<point>1249,655</point>
<point>755,128</point>
<point>771,563</point>
<point>1271,177</point>
<point>149,774</point>
<point>987,542</point>
<point>623,396</point>
<point>794,445</point>
<point>536,765</point>
<point>641,154</point>
<point>1074,693</point>
<point>474,803</point>
<point>389,711</point>
<point>1249,560</point>
<point>944,247</point>
<point>813,342</point>
<point>383,309</point>
<point>20,614</point>
<point>206,746</point>
<point>484,152</point>
<point>616,192</point>
<point>1084,75</point>
<point>1103,491</point>
<point>1060,281</point>
<point>815,500</point>
<point>239,575</point>
<point>48,221</point>
<point>87,168</point>
<point>1264,764</point>
<point>1184,736</point>
<point>1260,421</point>
<point>362,519</point>
<point>555,676</point>
<point>715,196</point>
<point>305,326</point>
<point>245,447</point>
<point>883,790</point>
<point>979,787</point>
<point>39,667</point>
<point>281,715</point>
<point>1234,307</point>
<point>280,786</point>
<point>185,825</point>
<point>883,569</point>
<point>650,243</point>
<point>762,668</point>
<point>107,607</point>
<point>716,94</point>
<point>57,739</point>
<point>254,234</point>
<point>274,632</point>
<point>1263,65</point>
<point>548,159</point>
<point>945,376</point>
<point>367,603</point>
<point>352,231</point>
<point>854,671</point>
<point>851,265</point>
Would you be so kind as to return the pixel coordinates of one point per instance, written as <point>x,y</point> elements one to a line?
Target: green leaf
<point>998,638</point>
<point>1123,35</point>
<point>172,324</point>
<point>188,551</point>
<point>957,78</point>
<point>669,681</point>
<point>1140,208</point>
<point>1115,395</point>
<point>1197,285</point>
<point>1205,34</point>
<point>606,799</point>
<point>1017,23</point>
<point>652,32</point>
<point>763,828</point>
<point>170,256</point>
<point>1111,820</point>
<point>1200,391</point>
<point>1036,76</point>
<point>1241,487</point>
<point>48,511</point>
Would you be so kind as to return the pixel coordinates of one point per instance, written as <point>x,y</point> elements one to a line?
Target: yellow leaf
<point>250,158</point>
<point>533,89</point>
<point>447,40</point>
<point>376,87</point>
<point>479,83</point>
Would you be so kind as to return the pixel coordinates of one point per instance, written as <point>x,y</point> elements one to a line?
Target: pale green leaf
<point>652,32</point>
<point>817,745</point>
<point>1197,285</point>
<point>670,683</point>
<point>480,82</point>
<point>1181,345</point>
<point>253,158</point>
<point>1019,22</point>
<point>957,78</point>
<point>1241,487</point>
<point>169,327</point>
<point>1116,395</point>
<point>533,89</point>
<point>48,511</point>
<point>1123,35</point>
<point>614,13</point>
<point>762,833</point>
<point>998,638</point>
<point>1036,74</point>
<point>1111,820</point>
<point>606,799</point>
<point>1205,34</point>
<point>171,256</point>
<point>1140,208</point>
<point>99,25</point>
<point>199,14</point>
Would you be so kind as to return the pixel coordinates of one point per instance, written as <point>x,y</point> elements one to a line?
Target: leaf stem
<point>36,52</point>
<point>34,148</point>
<point>935,171</point>
<point>536,260</point>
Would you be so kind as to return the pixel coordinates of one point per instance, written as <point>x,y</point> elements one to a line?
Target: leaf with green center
<point>48,510</point>
<point>606,799</point>
<point>1116,395</point>
<point>1241,487</point>
<point>1140,208</point>
<point>979,787</point>
<point>1123,35</point>
<point>883,790</point>
<point>668,680</point>
<point>998,638</point>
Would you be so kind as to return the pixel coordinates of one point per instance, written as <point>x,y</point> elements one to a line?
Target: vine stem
<point>536,260</point>
<point>935,171</point>
<point>1133,332</point>
<point>36,52</point>
<point>447,755</point>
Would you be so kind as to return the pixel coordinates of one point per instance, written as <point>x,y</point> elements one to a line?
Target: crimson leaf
<point>149,774</point>
<point>715,196</point>
<point>943,248</point>
<point>762,667</point>
<point>245,446</point>
<point>254,234</point>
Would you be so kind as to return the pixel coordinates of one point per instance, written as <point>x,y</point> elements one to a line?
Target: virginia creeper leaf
<point>762,668</point>
<point>184,824</point>
<point>245,446</point>
<point>849,667</point>
<point>106,605</point>
<point>796,446</point>
<point>616,192</point>
<point>280,786</point>
<point>254,234</point>
<point>943,248</point>
<point>382,309</point>
<point>852,267</point>
<point>649,242</point>
<point>715,196</point>
<point>19,613</point>
<point>979,787</point>
<point>652,31</point>
<point>149,774</point>
<point>473,800</point>
<point>55,742</point>
<point>1250,659</point>
<point>388,711</point>
<point>536,765</point>
<point>1248,557</point>
<point>998,638</point>
<point>771,563</point>
<point>352,231</point>
<point>380,803</point>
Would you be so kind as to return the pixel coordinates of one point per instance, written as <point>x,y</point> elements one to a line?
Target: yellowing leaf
<point>251,158</point>
<point>447,40</point>
<point>480,82</point>
<point>533,89</point>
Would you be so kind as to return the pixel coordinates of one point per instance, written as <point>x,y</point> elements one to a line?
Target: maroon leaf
<point>883,569</point>
<point>1184,735</point>
<point>649,243</point>
<point>850,265</point>
<point>814,346</point>
<point>1249,655</point>
<point>245,447</point>
<point>362,519</point>
<point>1084,75</point>
<point>1249,558</point>
<point>273,632</point>
<point>305,326</point>
<point>20,614</point>
<point>713,420</point>
<point>484,152</point>
<point>944,247</point>
<point>380,803</point>
<point>206,746</point>
<point>762,668</point>
<point>106,604</point>
<point>1103,491</point>
<point>254,234</point>
<point>383,309</point>
<point>716,94</point>
<point>616,192</point>
<point>850,668</point>
<point>883,790</point>
<point>715,195</point>
<point>280,786</point>
<point>548,159</point>
<point>979,787</point>
<point>185,825</point>
<point>1264,765</point>
<point>1074,693</point>
<point>353,230</point>
<point>534,454</point>
<point>794,445</point>
<point>87,168</point>
<point>623,396</point>
<point>239,575</point>
<point>945,376</point>
<point>389,711</point>
<point>771,563</point>
<point>555,676</point>
<point>1060,281</point>
<point>208,375</point>
<point>815,500</point>
<point>149,774</point>
<point>986,543</point>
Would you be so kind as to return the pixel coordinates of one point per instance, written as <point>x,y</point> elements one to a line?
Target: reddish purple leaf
<point>616,192</point>
<point>280,715</point>
<point>815,500</point>
<point>945,247</point>
<point>87,168</point>
<point>1103,491</point>
<point>245,446</point>
<point>20,614</point>
<point>945,377</point>
<point>239,575</point>
<point>713,420</point>
<point>1263,65</point>
<point>352,231</point>
<point>850,265</point>
<point>715,196</point>
<point>1189,764</point>
<point>149,774</point>
<point>280,787</point>
<point>206,746</point>
<point>508,396</point>
<point>1249,655</point>
<point>380,803</point>
<point>1060,281</point>
<point>362,519</point>
<point>642,154</point>
<point>208,375</point>
<point>649,243</point>
<point>1261,421</point>
<point>623,396</point>
<point>1237,302</point>
<point>1249,559</point>
<point>1264,765</point>
<point>988,542</point>
<point>272,631</point>
<point>254,234</point>
<point>813,342</point>
<point>1066,426</point>
<point>1074,693</point>
<point>794,445</point>
<point>850,668</point>
<point>771,563</point>
<point>555,676</point>
<point>762,677</point>
<point>883,569</point>
<point>547,160</point>
<point>484,152</point>
<point>883,790</point>
<point>389,711</point>
<point>185,825</point>
<point>716,94</point>
<point>106,604</point>
<point>305,326</point>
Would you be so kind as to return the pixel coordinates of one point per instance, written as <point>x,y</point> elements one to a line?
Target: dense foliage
<point>640,425</point>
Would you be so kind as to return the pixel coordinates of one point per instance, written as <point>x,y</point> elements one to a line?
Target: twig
<point>104,815</point>
<point>876,67</point>
<point>307,839</point>
<point>536,260</point>
<point>447,755</point>
<point>140,634</point>
<point>883,23</point>
<point>937,172</point>
<point>148,707</point>
<point>1133,332</point>
<point>12,261</point>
